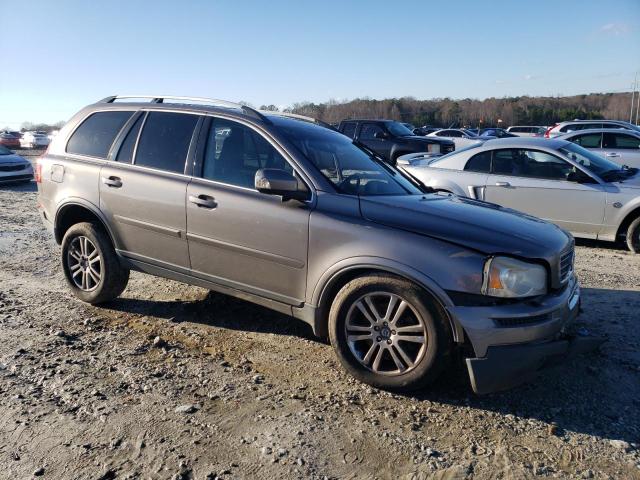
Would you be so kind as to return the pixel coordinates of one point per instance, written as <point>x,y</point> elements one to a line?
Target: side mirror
<point>380,135</point>
<point>274,181</point>
<point>578,176</point>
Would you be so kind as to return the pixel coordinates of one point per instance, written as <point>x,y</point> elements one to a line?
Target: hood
<point>481,226</point>
<point>631,182</point>
<point>12,158</point>
<point>426,140</point>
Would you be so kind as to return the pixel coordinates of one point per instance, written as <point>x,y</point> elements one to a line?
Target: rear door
<point>142,192</point>
<point>535,182</point>
<point>239,237</point>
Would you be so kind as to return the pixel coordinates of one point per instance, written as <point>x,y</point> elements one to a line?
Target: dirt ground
<point>171,381</point>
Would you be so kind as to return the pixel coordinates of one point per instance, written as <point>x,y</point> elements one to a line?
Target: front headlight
<point>511,278</point>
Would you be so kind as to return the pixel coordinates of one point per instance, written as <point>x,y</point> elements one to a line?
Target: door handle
<point>612,154</point>
<point>112,181</point>
<point>503,184</point>
<point>204,201</point>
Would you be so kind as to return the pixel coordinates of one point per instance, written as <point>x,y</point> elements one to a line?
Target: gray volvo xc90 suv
<point>290,214</point>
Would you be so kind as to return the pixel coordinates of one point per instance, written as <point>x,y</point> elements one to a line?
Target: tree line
<point>446,112</point>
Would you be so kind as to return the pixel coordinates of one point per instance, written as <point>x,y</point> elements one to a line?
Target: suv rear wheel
<point>91,265</point>
<point>633,236</point>
<point>387,332</point>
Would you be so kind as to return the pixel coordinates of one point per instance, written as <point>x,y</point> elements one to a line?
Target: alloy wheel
<point>385,333</point>
<point>84,263</point>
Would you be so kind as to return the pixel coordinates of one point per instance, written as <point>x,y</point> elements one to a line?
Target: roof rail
<point>301,117</point>
<point>162,98</point>
<point>211,101</point>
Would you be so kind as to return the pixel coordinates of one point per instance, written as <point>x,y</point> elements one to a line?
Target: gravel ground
<point>171,381</point>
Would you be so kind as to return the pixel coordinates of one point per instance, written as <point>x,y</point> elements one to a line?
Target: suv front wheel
<point>387,332</point>
<point>91,265</point>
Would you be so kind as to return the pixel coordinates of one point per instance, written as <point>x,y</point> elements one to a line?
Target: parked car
<point>621,146</point>
<point>527,131</point>
<point>34,140</point>
<point>573,125</point>
<point>391,139</point>
<point>9,140</point>
<point>296,217</point>
<point>426,130</point>
<point>14,168</point>
<point>556,180</point>
<point>461,137</point>
<point>495,133</point>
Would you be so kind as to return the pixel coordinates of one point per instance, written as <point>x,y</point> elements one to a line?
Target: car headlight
<point>511,278</point>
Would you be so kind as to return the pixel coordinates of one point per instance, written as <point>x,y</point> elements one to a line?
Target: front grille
<point>522,321</point>
<point>566,264</point>
<point>11,168</point>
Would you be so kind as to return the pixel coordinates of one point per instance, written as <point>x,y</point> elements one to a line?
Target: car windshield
<point>350,168</point>
<point>470,133</point>
<point>398,129</point>
<point>5,151</point>
<point>592,162</point>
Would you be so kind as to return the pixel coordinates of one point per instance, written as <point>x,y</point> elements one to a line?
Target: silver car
<point>575,125</point>
<point>621,146</point>
<point>527,131</point>
<point>290,214</point>
<point>555,180</point>
<point>14,168</point>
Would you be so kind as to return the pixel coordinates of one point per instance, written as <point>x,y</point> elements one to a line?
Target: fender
<point>80,202</point>
<point>333,273</point>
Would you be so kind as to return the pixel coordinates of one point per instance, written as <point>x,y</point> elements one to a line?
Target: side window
<point>530,164</point>
<point>165,139</point>
<point>234,153</point>
<point>481,162</point>
<point>96,134</point>
<point>620,141</point>
<point>368,130</point>
<point>349,129</point>
<point>125,154</point>
<point>588,140</point>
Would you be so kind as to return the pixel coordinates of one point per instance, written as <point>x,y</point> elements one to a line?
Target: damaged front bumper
<point>513,342</point>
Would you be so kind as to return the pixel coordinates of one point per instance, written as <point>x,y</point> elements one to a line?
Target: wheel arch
<point>629,217</point>
<point>76,211</point>
<point>336,278</point>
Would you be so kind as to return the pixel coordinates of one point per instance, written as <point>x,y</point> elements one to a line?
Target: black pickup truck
<point>391,139</point>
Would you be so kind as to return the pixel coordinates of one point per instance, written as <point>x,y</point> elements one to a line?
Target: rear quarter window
<point>480,162</point>
<point>96,134</point>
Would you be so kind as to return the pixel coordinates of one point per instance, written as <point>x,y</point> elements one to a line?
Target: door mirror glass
<point>274,181</point>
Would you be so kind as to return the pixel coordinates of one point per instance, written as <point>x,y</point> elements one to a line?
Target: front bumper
<point>512,342</point>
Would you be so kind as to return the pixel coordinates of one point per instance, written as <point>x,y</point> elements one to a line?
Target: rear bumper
<point>511,365</point>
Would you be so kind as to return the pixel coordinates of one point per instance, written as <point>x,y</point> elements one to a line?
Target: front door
<point>622,148</point>
<point>144,197</point>
<point>535,182</point>
<point>237,236</point>
<point>367,136</point>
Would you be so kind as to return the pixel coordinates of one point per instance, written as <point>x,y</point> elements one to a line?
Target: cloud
<point>529,76</point>
<point>616,29</point>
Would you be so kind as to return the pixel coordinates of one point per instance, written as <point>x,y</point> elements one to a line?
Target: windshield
<point>5,151</point>
<point>469,133</point>
<point>398,129</point>
<point>352,170</point>
<point>595,163</point>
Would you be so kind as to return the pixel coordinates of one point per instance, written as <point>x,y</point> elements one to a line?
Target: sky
<point>60,56</point>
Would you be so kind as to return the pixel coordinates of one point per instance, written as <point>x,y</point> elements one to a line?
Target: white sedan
<point>553,179</point>
<point>34,140</point>
<point>461,137</point>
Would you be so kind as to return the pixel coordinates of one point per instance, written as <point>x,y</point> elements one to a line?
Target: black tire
<point>633,236</point>
<point>434,356</point>
<point>113,277</point>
